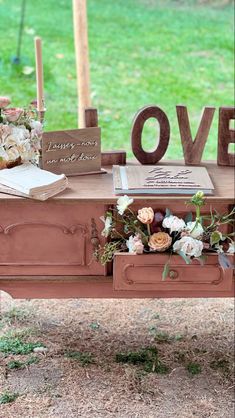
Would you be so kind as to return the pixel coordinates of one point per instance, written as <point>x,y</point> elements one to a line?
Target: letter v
<point>193,150</point>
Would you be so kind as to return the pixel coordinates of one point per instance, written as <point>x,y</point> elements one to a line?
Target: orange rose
<point>160,241</point>
<point>145,215</point>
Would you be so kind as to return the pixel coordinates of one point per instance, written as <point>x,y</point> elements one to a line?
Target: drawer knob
<point>173,274</point>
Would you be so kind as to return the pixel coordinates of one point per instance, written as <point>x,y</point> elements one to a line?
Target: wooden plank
<point>87,287</point>
<point>108,158</point>
<point>82,58</point>
<point>100,189</point>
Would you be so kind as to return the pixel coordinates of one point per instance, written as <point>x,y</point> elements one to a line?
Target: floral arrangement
<point>20,135</point>
<point>151,231</point>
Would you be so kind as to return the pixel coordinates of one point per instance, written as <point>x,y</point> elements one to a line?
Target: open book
<point>27,180</point>
<point>161,180</point>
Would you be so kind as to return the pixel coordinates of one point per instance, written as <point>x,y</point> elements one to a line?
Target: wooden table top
<point>99,188</point>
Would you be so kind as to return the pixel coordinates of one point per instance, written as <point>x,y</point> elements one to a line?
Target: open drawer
<point>144,273</point>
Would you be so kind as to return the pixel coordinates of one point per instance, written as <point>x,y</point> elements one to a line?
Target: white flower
<point>189,246</point>
<point>173,223</point>
<point>231,249</point>
<point>107,225</point>
<point>36,128</point>
<point>123,203</point>
<point>20,133</point>
<point>219,248</point>
<point>135,245</point>
<point>195,229</point>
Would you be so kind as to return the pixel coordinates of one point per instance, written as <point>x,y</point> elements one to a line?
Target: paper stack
<point>27,180</point>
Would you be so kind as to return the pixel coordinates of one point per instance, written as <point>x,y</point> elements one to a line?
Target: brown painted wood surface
<point>108,158</point>
<point>226,135</point>
<point>91,117</point>
<point>193,150</point>
<point>136,135</point>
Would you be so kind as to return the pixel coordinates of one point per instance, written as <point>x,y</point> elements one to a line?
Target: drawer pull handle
<point>173,274</point>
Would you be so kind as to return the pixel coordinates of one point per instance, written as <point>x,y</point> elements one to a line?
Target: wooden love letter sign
<point>145,113</point>
<point>72,152</point>
<point>226,136</point>
<point>193,150</point>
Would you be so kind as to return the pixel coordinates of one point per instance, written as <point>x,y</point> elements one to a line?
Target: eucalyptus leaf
<point>166,270</point>
<point>185,257</point>
<point>224,261</point>
<point>188,217</point>
<point>168,213</point>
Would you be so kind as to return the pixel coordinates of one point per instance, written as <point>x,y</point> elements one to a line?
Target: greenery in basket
<point>20,135</point>
<point>151,231</point>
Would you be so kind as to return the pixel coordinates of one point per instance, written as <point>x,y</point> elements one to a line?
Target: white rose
<point>173,223</point>
<point>189,246</point>
<point>107,225</point>
<point>195,229</point>
<point>20,132</point>
<point>123,203</point>
<point>231,249</point>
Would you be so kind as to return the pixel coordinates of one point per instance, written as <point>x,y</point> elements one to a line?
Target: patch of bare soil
<point>78,375</point>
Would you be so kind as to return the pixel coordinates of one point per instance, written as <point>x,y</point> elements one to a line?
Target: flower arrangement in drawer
<point>20,135</point>
<point>150,231</point>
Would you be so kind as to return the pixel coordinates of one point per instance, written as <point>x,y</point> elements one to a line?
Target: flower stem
<point>148,229</point>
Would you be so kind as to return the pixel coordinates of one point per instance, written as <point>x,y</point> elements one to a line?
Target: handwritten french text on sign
<point>72,152</point>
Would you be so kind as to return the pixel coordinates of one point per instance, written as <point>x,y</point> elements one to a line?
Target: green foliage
<point>7,397</point>
<point>15,364</point>
<point>94,325</point>
<point>147,358</point>
<point>83,358</point>
<point>194,368</point>
<point>174,61</point>
<point>11,345</point>
<point>215,237</point>
<point>14,315</point>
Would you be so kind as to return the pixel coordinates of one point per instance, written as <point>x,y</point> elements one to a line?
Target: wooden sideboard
<point>46,248</point>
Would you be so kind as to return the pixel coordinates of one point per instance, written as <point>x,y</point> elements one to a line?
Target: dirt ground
<point>194,339</point>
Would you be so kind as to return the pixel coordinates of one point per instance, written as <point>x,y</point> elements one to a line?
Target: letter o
<point>136,134</point>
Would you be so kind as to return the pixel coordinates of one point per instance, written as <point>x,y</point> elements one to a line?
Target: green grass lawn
<point>141,52</point>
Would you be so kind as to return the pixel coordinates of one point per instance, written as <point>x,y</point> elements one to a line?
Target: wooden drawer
<point>144,273</point>
<point>49,238</point>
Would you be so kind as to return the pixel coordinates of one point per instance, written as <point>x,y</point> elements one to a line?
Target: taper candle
<point>39,74</point>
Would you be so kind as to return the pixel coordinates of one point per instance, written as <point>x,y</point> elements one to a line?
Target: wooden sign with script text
<point>72,152</point>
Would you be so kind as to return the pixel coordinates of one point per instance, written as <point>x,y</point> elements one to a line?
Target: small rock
<point>40,350</point>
